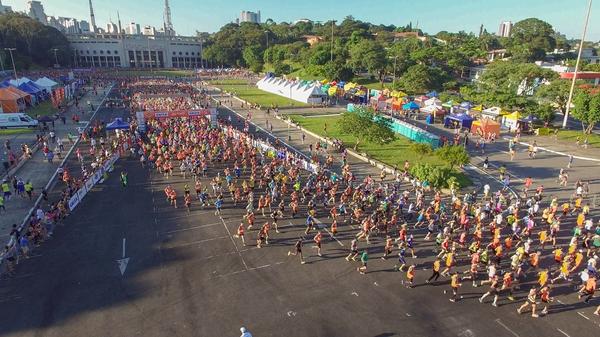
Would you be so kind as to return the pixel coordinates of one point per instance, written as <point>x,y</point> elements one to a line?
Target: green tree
<point>421,149</point>
<point>253,58</point>
<point>420,78</point>
<point>555,92</point>
<point>369,55</point>
<point>453,155</point>
<point>545,112</point>
<point>531,39</point>
<point>587,110</point>
<point>363,125</point>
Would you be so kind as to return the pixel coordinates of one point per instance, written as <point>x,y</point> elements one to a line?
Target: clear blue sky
<point>432,15</point>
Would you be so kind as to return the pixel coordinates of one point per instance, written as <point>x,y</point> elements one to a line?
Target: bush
<point>437,176</point>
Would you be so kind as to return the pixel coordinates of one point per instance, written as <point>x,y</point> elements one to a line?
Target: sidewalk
<point>39,171</point>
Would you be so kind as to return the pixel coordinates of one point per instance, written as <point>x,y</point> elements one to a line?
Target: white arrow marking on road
<point>376,284</point>
<point>355,293</point>
<point>291,313</point>
<point>124,261</point>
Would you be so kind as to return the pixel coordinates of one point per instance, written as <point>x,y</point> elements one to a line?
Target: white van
<point>17,120</point>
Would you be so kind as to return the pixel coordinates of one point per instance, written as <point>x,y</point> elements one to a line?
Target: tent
<point>24,98</point>
<point>46,84</point>
<point>432,94</point>
<point>450,104</point>
<point>379,102</point>
<point>304,92</point>
<point>19,81</point>
<point>117,124</point>
<point>511,120</point>
<point>36,93</point>
<point>462,119</point>
<point>397,94</point>
<point>466,105</point>
<point>10,101</point>
<point>410,106</point>
<point>433,101</point>
<point>485,127</point>
<point>491,113</point>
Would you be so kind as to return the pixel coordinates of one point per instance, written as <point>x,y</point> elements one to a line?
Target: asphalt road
<point>187,276</point>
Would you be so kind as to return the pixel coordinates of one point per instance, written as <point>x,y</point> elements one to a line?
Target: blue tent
<point>463,119</point>
<point>432,93</point>
<point>466,105</point>
<point>410,106</point>
<point>117,124</point>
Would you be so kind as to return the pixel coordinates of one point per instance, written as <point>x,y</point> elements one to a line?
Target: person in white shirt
<point>245,332</point>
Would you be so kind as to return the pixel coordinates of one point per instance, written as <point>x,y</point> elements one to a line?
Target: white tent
<point>433,101</point>
<point>19,81</point>
<point>305,92</point>
<point>46,84</point>
<point>492,113</point>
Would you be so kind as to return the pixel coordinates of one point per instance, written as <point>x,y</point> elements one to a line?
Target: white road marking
<point>466,333</point>
<point>124,240</point>
<point>192,228</point>
<point>582,315</point>
<point>559,301</point>
<point>564,333</point>
<point>408,315</point>
<point>376,284</point>
<point>197,242</point>
<point>233,241</point>
<point>122,263</point>
<point>354,293</point>
<point>328,232</point>
<point>291,313</point>
<point>507,328</point>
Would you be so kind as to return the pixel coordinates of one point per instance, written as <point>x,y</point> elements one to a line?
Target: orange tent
<point>9,100</point>
<point>485,127</point>
<point>22,94</point>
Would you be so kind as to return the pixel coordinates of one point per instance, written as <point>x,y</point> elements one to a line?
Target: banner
<point>97,176</point>
<point>81,193</point>
<point>73,202</point>
<point>89,184</point>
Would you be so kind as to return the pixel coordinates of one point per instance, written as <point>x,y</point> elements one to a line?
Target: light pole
<point>10,50</point>
<point>332,26</point>
<point>587,18</point>
<point>55,57</point>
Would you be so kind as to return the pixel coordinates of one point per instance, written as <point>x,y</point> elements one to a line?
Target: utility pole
<point>55,57</point>
<point>332,26</point>
<point>587,18</point>
<point>10,50</point>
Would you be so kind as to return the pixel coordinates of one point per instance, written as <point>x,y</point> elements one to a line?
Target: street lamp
<point>587,18</point>
<point>55,57</point>
<point>332,26</point>
<point>10,50</point>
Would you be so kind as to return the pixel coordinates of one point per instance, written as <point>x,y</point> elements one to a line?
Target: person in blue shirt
<point>218,204</point>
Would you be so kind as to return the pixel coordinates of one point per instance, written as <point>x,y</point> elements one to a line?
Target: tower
<point>119,23</point>
<point>92,18</point>
<point>168,25</point>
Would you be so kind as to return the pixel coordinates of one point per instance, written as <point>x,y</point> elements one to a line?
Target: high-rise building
<point>84,27</point>
<point>133,29</point>
<point>35,10</point>
<point>69,25</point>
<point>505,28</point>
<point>92,18</point>
<point>149,30</point>
<point>112,28</point>
<point>247,16</point>
<point>4,9</point>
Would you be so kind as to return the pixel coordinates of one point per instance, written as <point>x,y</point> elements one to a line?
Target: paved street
<point>188,276</point>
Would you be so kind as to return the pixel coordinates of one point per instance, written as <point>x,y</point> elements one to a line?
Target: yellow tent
<point>397,94</point>
<point>514,116</point>
<point>332,91</point>
<point>478,108</point>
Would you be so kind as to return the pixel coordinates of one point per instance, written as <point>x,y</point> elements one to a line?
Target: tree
<point>253,58</point>
<point>545,112</point>
<point>531,39</point>
<point>587,110</point>
<point>555,92</point>
<point>281,68</point>
<point>369,55</point>
<point>420,78</point>
<point>421,149</point>
<point>453,155</point>
<point>364,126</point>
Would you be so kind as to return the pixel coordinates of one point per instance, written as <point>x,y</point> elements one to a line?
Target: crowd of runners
<point>533,246</point>
<point>524,249</point>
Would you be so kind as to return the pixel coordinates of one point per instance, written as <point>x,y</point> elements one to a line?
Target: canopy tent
<point>433,101</point>
<point>432,94</point>
<point>305,92</point>
<point>397,94</point>
<point>466,105</point>
<point>25,97</point>
<point>19,81</point>
<point>511,121</point>
<point>46,84</point>
<point>477,108</point>
<point>379,102</point>
<point>117,124</point>
<point>11,101</point>
<point>410,106</point>
<point>529,119</point>
<point>36,94</point>
<point>491,113</point>
<point>463,120</point>
<point>485,127</point>
<point>450,104</point>
<point>421,99</point>
<point>432,109</point>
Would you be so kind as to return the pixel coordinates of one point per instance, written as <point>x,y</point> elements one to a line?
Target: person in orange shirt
<point>545,298</point>
<point>436,271</point>
<point>410,275</point>
<point>534,260</point>
<point>240,233</point>
<point>454,284</point>
<point>317,239</point>
<point>588,289</point>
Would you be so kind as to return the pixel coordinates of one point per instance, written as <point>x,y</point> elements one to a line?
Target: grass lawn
<point>571,136</point>
<point>392,153</point>
<point>254,95</point>
<point>16,131</point>
<point>42,109</point>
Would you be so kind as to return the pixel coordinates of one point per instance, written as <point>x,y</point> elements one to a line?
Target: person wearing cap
<point>245,332</point>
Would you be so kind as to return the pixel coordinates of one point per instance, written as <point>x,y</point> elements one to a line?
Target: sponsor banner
<point>73,202</point>
<point>82,192</point>
<point>97,176</point>
<point>89,184</point>
<point>179,113</point>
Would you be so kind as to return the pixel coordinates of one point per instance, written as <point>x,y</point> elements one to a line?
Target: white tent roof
<point>46,82</point>
<point>433,101</point>
<point>305,92</point>
<point>493,111</point>
<point>19,81</point>
<point>431,108</point>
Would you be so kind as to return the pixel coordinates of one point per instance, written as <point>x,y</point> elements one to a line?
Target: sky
<point>431,16</point>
